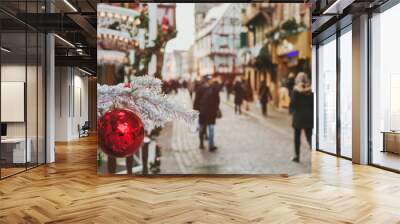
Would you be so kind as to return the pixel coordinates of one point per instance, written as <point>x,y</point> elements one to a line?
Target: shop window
<point>385,89</point>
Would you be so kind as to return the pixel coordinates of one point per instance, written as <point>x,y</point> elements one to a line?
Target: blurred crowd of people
<point>205,94</point>
<point>243,93</point>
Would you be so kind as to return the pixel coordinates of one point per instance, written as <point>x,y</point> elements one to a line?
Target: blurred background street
<point>248,143</point>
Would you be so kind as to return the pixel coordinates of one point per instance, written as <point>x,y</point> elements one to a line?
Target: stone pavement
<point>247,144</point>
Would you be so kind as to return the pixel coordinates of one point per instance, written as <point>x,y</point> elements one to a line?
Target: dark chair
<point>84,130</point>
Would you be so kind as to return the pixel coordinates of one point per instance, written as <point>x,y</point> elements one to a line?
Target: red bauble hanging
<point>120,132</point>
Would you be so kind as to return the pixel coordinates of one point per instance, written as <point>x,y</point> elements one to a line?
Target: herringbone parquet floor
<point>70,191</point>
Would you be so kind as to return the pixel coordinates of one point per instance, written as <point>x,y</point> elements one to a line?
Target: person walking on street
<point>201,87</point>
<point>211,108</point>
<point>207,103</point>
<point>302,107</point>
<point>191,88</point>
<point>290,83</point>
<point>228,88</point>
<point>239,96</point>
<point>264,95</point>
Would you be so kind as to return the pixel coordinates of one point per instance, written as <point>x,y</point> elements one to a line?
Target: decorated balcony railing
<point>110,57</point>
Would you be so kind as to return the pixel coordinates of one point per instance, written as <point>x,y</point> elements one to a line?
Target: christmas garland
<point>286,29</point>
<point>109,39</point>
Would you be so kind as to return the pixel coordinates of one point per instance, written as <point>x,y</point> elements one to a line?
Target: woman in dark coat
<point>239,96</point>
<point>302,107</point>
<point>207,103</point>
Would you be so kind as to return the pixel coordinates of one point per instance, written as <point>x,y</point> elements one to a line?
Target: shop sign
<point>293,54</point>
<point>284,48</point>
<point>166,16</point>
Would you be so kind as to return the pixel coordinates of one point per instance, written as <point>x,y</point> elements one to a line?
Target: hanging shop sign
<point>166,16</point>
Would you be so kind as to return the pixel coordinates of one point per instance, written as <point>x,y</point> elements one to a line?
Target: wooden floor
<point>5,172</point>
<point>70,191</point>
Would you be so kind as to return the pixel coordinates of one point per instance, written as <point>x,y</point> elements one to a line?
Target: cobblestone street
<point>247,144</point>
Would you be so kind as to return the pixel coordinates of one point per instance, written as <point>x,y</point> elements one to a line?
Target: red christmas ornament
<point>120,132</point>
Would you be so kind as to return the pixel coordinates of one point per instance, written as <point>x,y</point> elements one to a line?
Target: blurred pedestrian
<point>239,96</point>
<point>302,105</point>
<point>174,85</point>
<point>248,93</point>
<point>200,89</point>
<point>228,88</point>
<point>290,83</point>
<point>184,84</point>
<point>191,88</point>
<point>264,95</point>
<point>290,86</point>
<point>166,88</point>
<point>197,84</point>
<point>207,103</point>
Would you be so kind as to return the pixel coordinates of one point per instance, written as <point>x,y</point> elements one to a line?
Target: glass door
<point>14,155</point>
<point>22,117</point>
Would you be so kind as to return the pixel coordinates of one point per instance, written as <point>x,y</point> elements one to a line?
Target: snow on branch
<point>144,97</point>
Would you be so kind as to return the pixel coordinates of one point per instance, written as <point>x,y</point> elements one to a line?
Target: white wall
<point>16,73</point>
<point>71,102</point>
<point>11,73</point>
<point>61,103</point>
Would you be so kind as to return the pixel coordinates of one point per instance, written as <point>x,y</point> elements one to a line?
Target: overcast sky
<point>185,27</point>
